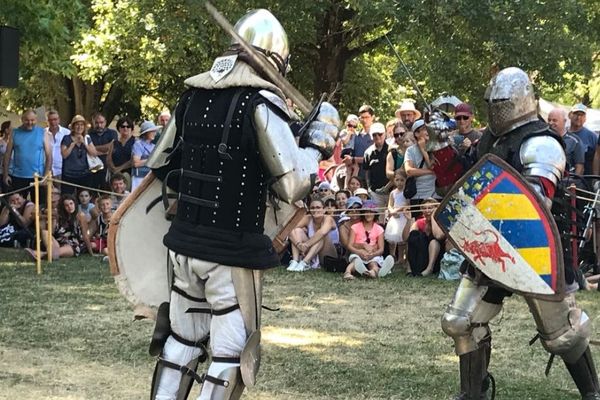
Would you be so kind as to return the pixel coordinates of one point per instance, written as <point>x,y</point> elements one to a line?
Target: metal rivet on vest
<point>243,175</point>
<point>244,167</point>
<point>214,222</point>
<point>207,108</point>
<point>218,188</point>
<point>237,225</point>
<point>243,184</point>
<point>238,126</point>
<point>215,125</point>
<point>237,219</point>
<point>204,116</point>
<point>210,100</point>
<point>220,171</point>
<point>216,196</point>
<point>239,211</point>
<point>214,213</point>
<point>243,103</point>
<point>240,111</point>
<point>239,203</point>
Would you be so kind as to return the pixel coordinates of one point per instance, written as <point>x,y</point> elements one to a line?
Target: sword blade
<point>287,88</point>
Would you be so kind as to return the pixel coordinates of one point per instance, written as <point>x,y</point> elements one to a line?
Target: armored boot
<point>585,377</point>
<point>475,381</point>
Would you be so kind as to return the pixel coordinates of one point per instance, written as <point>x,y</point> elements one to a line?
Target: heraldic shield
<point>502,227</point>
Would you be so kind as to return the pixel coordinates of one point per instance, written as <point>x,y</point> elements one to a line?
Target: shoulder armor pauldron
<point>276,101</point>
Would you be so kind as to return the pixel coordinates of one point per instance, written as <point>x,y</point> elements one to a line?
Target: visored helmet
<point>511,101</point>
<point>263,31</point>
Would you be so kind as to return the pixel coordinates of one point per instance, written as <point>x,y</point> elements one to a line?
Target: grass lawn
<point>68,334</point>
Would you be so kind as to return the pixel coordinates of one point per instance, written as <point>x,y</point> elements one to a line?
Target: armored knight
<point>228,151</point>
<point>516,135</point>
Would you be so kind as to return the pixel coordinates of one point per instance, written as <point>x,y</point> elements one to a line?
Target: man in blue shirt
<point>588,138</point>
<point>362,141</point>
<point>31,150</point>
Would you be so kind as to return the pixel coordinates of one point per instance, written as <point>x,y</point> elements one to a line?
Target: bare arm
<point>48,153</point>
<point>411,170</point>
<point>84,232</point>
<point>6,160</point>
<point>326,227</point>
<point>389,165</point>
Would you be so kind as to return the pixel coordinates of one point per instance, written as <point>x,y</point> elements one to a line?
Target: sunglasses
<point>351,126</point>
<point>323,190</point>
<point>461,118</point>
<point>398,134</point>
<point>368,240</point>
<point>124,126</point>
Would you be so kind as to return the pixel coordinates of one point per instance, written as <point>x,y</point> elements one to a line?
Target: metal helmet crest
<point>263,31</point>
<point>511,101</point>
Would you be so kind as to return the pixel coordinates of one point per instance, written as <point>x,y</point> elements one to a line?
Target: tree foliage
<point>131,56</point>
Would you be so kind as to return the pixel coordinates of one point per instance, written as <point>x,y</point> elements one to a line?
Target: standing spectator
<point>31,150</point>
<point>374,164</point>
<point>366,246</point>
<point>346,140</point>
<point>395,157</point>
<point>310,238</point>
<point>119,157</point>
<point>162,120</point>
<point>407,113</point>
<point>588,139</point>
<point>397,220</point>
<point>418,165</point>
<point>466,137</point>
<point>141,151</point>
<point>75,149</point>
<point>102,137</point>
<point>119,189</point>
<point>4,135</point>
<point>362,141</point>
<point>557,120</point>
<point>70,234</point>
<point>57,133</point>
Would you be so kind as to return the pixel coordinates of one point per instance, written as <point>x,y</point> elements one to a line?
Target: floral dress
<point>69,234</point>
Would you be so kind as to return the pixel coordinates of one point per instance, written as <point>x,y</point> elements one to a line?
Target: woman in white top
<point>310,238</point>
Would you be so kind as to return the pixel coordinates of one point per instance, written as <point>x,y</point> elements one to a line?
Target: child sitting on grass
<point>366,246</point>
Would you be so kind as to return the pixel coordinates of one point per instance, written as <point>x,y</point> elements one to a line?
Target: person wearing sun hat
<point>407,113</point>
<point>366,245</point>
<point>142,148</point>
<point>74,149</point>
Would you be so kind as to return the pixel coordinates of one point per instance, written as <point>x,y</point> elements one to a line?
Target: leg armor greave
<point>180,340</point>
<point>564,329</point>
<point>466,318</point>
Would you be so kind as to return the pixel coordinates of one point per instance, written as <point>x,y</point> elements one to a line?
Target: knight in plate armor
<point>516,135</point>
<point>228,149</point>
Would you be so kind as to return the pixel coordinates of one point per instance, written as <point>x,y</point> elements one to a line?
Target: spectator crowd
<point>369,212</point>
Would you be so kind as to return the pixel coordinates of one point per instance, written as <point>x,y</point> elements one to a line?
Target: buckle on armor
<point>223,152</point>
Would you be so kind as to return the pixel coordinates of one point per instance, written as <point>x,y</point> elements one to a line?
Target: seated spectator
<point>99,225</point>
<point>354,183</point>
<point>86,205</point>
<point>16,219</point>
<point>310,238</point>
<point>324,190</point>
<point>141,151</point>
<point>366,247</point>
<point>425,242</point>
<point>119,189</point>
<point>74,149</point>
<point>70,234</point>
<point>119,155</point>
<point>347,219</point>
<point>418,165</point>
<point>397,205</point>
<point>362,193</point>
<point>341,197</point>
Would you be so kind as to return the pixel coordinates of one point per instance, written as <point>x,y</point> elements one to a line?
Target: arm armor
<point>322,132</point>
<point>293,168</point>
<point>542,157</point>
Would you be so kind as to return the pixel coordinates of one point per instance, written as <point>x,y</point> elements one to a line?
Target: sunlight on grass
<point>309,338</point>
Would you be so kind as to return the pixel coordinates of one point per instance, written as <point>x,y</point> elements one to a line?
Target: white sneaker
<point>359,266</point>
<point>387,266</point>
<point>292,265</point>
<point>302,266</point>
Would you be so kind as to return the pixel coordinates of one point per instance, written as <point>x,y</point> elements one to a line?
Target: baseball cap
<point>324,186</point>
<point>418,124</point>
<point>361,191</point>
<point>579,107</point>
<point>463,109</point>
<point>377,127</point>
<point>352,201</point>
